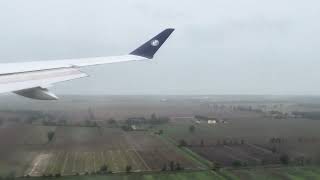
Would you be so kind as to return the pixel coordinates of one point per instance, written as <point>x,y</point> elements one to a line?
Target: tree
<point>224,142</point>
<point>182,143</point>
<point>216,167</point>
<point>128,168</point>
<point>284,159</point>
<point>10,176</point>
<point>164,167</point>
<point>160,131</point>
<point>236,163</point>
<point>50,135</point>
<point>153,116</point>
<point>104,168</point>
<point>242,141</point>
<point>300,160</point>
<point>192,128</point>
<point>171,164</point>
<point>201,143</point>
<point>111,121</point>
<point>91,114</point>
<point>62,121</point>
<point>219,142</point>
<point>126,128</point>
<point>178,167</point>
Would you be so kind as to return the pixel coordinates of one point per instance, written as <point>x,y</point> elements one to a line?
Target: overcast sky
<point>219,47</point>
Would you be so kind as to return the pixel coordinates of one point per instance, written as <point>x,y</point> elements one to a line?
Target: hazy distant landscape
<point>159,90</point>
<point>203,135</point>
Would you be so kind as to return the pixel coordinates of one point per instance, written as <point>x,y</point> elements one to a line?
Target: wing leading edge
<point>31,79</point>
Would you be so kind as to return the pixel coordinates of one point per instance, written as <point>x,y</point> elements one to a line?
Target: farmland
<point>248,138</point>
<point>82,150</point>
<point>161,135</point>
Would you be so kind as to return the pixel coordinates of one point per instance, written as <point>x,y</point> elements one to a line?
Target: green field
<point>294,173</point>
<point>287,173</point>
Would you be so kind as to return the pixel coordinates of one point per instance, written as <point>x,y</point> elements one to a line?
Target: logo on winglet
<point>155,42</point>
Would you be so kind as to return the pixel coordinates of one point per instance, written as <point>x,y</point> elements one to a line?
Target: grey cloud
<point>219,47</point>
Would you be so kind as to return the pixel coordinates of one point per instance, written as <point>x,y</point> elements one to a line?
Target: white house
<point>212,121</point>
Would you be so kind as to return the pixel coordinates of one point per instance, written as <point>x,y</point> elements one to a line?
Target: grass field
<point>283,173</point>
<point>294,173</point>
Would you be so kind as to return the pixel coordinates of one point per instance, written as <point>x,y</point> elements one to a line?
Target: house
<point>212,121</point>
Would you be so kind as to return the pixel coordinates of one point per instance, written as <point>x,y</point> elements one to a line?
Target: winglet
<point>149,48</point>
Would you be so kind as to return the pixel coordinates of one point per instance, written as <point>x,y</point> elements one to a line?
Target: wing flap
<point>37,93</point>
<point>43,78</point>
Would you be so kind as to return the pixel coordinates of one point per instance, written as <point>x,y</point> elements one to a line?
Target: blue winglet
<point>149,48</point>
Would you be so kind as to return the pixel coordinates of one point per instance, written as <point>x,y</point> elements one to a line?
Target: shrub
<point>192,128</point>
<point>50,135</point>
<point>236,163</point>
<point>216,167</point>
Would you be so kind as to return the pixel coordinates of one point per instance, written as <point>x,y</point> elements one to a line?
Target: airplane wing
<point>31,79</point>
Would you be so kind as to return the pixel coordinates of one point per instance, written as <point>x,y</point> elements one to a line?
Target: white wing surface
<point>31,79</point>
